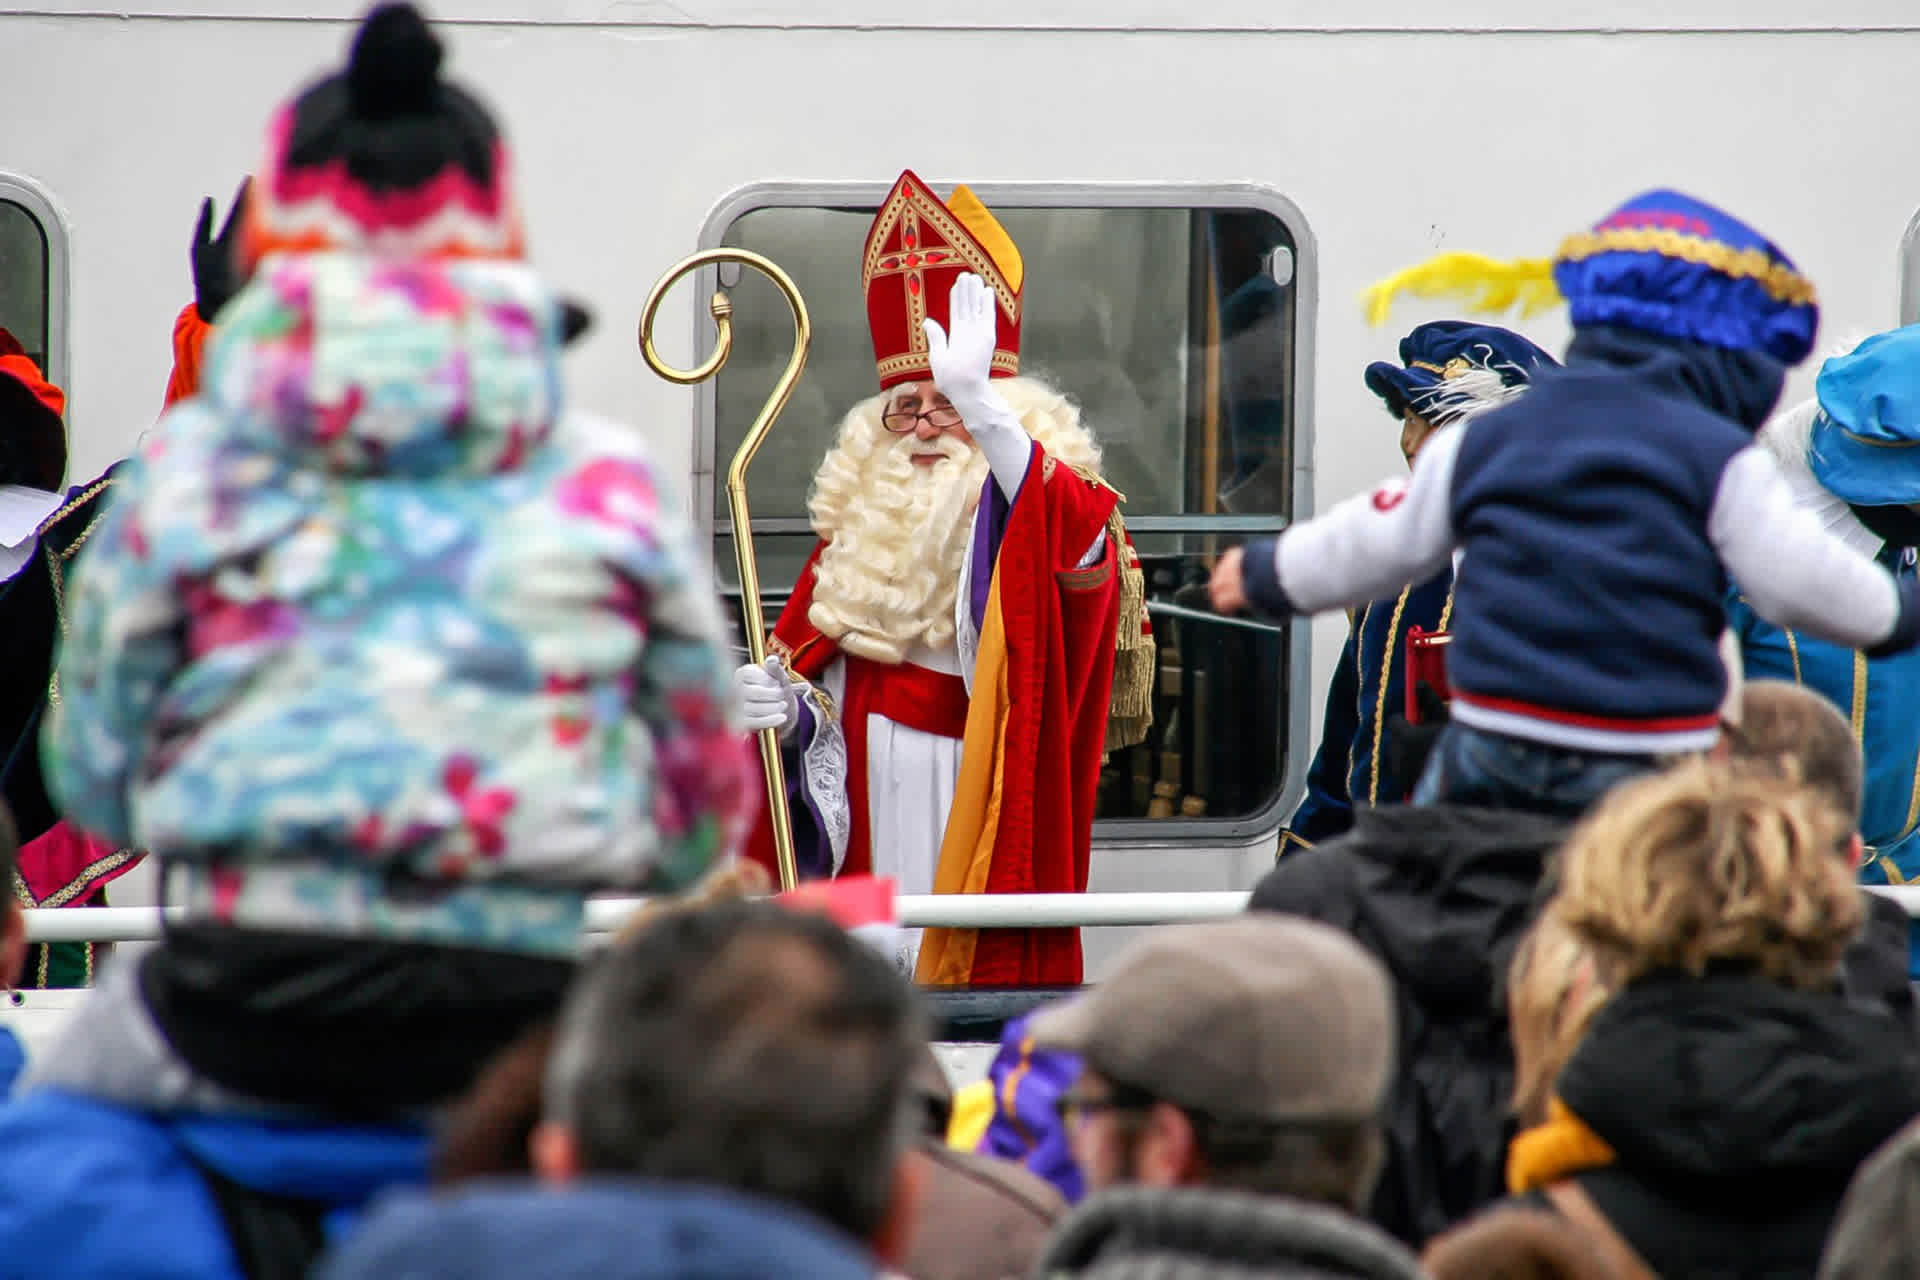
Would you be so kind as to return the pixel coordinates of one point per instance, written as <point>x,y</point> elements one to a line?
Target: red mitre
<point>918,246</point>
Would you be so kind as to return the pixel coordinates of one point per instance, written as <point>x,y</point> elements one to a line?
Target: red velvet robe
<point>1032,748</point>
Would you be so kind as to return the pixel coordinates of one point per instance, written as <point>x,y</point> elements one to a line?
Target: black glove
<point>1408,745</point>
<point>216,259</point>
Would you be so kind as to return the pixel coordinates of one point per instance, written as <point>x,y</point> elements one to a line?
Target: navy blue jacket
<point>1352,769</point>
<point>1598,517</point>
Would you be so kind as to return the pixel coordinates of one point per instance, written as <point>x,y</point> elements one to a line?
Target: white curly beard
<point>897,532</point>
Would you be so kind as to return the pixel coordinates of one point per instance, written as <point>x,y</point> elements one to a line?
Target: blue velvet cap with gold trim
<point>1864,446</point>
<point>1662,263</point>
<point>1442,358</point>
<point>1668,264</point>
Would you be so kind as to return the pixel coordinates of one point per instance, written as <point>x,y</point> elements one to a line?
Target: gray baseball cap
<point>1262,1017</point>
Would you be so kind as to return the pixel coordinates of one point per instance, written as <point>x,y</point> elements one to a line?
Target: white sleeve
<point>1006,444</point>
<point>1373,544</point>
<point>1793,572</point>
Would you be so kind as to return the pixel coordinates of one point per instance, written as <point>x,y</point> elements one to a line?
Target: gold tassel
<point>1130,712</point>
<point>1484,284</point>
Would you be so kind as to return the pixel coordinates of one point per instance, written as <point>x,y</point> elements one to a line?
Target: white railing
<point>953,911</point>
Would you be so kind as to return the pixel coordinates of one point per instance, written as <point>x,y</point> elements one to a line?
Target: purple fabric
<point>987,532</point>
<point>1026,1126</point>
<point>812,851</point>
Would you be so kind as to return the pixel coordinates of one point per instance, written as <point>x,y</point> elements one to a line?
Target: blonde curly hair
<point>1711,862</point>
<point>1553,992</point>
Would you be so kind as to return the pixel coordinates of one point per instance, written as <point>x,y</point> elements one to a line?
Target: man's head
<point>1863,430</point>
<point>742,1046</point>
<point>13,925</point>
<point>1252,1053</point>
<point>1806,737</point>
<point>1665,266</point>
<point>894,499</point>
<point>1451,371</point>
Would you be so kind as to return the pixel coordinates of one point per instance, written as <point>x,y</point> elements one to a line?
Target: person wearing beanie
<point>969,636</point>
<point>1601,515</point>
<point>1450,372</point>
<point>1845,454</point>
<point>393,659</point>
<point>42,528</point>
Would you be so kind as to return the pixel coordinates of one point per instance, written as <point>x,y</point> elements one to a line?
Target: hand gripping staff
<point>721,308</point>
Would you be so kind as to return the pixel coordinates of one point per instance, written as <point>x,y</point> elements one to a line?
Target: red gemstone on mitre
<point>913,284</point>
<point>935,256</point>
<point>913,259</point>
<point>909,237</point>
<point>888,264</point>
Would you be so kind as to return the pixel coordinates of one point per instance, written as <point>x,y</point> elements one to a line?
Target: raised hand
<point>216,259</point>
<point>962,360</point>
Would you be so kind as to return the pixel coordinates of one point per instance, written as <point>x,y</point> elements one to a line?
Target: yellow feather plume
<point>1484,284</point>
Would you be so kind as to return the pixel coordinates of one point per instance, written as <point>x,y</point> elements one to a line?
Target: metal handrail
<point>949,911</point>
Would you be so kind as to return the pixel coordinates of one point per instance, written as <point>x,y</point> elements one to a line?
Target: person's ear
<point>1166,1152</point>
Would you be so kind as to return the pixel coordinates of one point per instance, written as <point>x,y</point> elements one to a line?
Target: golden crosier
<point>721,309</point>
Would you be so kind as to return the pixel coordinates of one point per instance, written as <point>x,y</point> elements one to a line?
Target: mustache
<point>945,445</point>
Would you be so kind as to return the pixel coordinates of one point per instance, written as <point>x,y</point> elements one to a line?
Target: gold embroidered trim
<point>1793,651</point>
<point>1913,804</point>
<point>1088,579</point>
<point>1136,662</point>
<point>88,878</point>
<point>915,362</point>
<point>57,562</point>
<point>915,202</point>
<point>1860,698</point>
<point>1380,703</point>
<point>1782,283</point>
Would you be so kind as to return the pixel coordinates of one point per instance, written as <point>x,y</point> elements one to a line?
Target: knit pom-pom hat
<point>386,157</point>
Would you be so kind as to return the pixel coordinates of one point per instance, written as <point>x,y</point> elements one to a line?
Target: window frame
<point>1188,196</point>
<point>18,189</point>
<point>1910,271</point>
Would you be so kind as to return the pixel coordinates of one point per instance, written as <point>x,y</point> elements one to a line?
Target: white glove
<point>962,364</point>
<point>767,697</point>
<point>962,361</point>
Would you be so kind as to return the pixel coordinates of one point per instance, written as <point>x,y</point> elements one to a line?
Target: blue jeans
<point>1491,770</point>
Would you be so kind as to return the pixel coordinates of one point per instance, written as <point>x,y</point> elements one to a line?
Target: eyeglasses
<point>1074,1108</point>
<point>942,418</point>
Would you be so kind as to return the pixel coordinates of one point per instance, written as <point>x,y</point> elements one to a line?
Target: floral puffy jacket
<point>373,602</point>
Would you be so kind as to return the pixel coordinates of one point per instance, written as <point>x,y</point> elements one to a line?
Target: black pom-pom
<point>394,69</point>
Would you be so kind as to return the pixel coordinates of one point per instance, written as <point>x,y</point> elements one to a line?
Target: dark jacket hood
<point>1742,386</point>
<point>1732,1085</point>
<point>1447,890</point>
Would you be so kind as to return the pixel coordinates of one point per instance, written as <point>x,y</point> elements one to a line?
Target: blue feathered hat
<point>1662,263</point>
<point>1864,447</point>
<point>1450,368</point>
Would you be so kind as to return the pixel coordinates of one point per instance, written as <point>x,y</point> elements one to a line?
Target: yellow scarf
<point>1561,1147</point>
